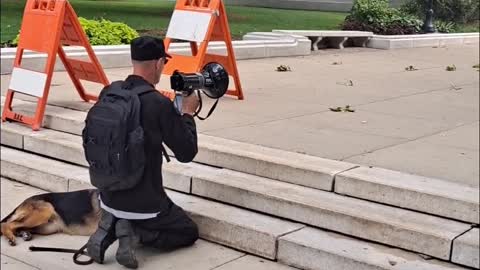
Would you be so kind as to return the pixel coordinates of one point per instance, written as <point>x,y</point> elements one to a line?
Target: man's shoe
<point>102,238</point>
<point>127,243</point>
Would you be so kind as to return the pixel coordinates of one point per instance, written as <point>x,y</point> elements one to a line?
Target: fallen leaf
<point>411,68</point>
<point>392,263</point>
<point>451,68</point>
<point>283,68</point>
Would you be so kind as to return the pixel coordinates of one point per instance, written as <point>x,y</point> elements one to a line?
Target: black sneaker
<point>127,243</point>
<point>102,238</point>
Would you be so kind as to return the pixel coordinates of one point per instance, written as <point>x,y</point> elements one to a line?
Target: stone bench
<point>335,39</point>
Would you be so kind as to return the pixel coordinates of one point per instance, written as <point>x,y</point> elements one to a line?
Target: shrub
<point>104,32</point>
<point>445,27</point>
<point>376,16</point>
<point>458,11</point>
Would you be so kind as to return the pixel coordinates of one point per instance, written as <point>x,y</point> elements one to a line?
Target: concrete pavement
<point>423,122</point>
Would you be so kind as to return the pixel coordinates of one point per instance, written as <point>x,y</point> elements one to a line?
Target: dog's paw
<point>26,236</point>
<point>12,242</point>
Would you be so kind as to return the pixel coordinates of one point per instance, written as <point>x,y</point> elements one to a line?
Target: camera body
<point>212,81</point>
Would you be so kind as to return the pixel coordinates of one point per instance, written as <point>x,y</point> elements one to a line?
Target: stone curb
<point>367,220</point>
<point>395,188</point>
<point>234,227</point>
<point>388,42</point>
<point>315,249</point>
<point>119,55</point>
<point>466,249</point>
<point>442,198</point>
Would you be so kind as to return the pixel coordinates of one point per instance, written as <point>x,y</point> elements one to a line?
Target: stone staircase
<point>303,211</point>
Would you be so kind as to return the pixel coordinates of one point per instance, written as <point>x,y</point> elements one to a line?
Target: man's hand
<point>190,103</point>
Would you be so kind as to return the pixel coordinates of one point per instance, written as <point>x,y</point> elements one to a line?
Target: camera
<point>212,81</point>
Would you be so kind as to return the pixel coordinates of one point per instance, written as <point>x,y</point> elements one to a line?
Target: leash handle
<point>76,253</point>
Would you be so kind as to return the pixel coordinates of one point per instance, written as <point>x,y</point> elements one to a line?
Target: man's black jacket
<point>161,123</point>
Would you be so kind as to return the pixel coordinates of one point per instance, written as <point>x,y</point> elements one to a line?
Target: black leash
<point>76,253</point>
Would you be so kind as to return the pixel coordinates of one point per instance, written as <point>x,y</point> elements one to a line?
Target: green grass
<point>468,28</point>
<point>153,16</point>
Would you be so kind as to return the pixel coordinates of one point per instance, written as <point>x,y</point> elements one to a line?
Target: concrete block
<point>401,43</point>
<point>178,176</point>
<point>57,118</point>
<point>426,42</point>
<point>315,249</point>
<point>434,196</point>
<point>466,249</point>
<point>268,162</point>
<point>11,137</point>
<point>35,170</point>
<point>380,223</point>
<point>471,40</point>
<point>377,43</point>
<point>58,145</point>
<point>447,41</point>
<point>234,227</point>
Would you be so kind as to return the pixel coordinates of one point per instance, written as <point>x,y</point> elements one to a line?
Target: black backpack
<point>113,138</point>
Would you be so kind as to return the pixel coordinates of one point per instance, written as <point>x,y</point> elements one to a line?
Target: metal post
<point>428,26</point>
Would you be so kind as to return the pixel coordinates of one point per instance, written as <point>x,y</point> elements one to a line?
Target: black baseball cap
<point>146,48</point>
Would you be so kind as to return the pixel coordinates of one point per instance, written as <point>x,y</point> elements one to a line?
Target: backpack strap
<point>140,90</point>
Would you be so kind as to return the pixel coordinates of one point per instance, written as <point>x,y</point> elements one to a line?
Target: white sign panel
<point>28,82</point>
<point>189,25</point>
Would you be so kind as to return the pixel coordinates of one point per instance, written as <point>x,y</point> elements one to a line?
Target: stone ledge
<point>419,41</point>
<point>315,249</point>
<point>367,220</point>
<point>119,55</point>
<point>434,196</point>
<point>466,249</point>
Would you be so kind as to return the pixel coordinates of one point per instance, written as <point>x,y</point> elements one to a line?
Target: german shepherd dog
<point>75,213</point>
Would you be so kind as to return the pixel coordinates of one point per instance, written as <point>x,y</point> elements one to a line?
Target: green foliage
<point>371,11</point>
<point>445,27</point>
<point>103,32</point>
<point>377,16</point>
<point>458,11</point>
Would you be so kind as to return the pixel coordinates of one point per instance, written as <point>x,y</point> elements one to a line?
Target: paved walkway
<point>424,122</point>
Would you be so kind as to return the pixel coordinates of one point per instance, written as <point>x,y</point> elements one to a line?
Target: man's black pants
<point>170,230</point>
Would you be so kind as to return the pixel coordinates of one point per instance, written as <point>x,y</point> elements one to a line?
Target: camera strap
<point>200,108</point>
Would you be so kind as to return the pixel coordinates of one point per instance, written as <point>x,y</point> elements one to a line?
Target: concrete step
<point>249,231</point>
<point>315,249</point>
<point>368,220</point>
<point>413,192</point>
<point>272,163</point>
<point>466,249</point>
<point>203,255</point>
<point>231,226</point>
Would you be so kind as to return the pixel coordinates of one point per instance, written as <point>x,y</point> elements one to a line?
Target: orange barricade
<point>199,22</point>
<point>46,26</point>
